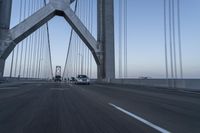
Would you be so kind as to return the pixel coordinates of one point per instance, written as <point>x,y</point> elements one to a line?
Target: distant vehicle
<point>72,79</point>
<point>144,77</point>
<point>57,78</point>
<point>82,79</point>
<point>58,74</point>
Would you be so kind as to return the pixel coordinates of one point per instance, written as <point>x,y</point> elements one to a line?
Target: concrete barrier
<point>188,84</point>
<point>20,80</point>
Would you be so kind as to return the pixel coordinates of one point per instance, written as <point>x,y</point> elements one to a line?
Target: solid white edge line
<point>141,119</point>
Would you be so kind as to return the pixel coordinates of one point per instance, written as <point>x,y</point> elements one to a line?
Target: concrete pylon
<point>105,39</point>
<point>5,14</point>
<point>2,65</point>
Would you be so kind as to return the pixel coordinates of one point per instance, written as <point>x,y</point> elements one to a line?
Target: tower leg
<point>2,65</point>
<point>5,14</point>
<point>105,38</point>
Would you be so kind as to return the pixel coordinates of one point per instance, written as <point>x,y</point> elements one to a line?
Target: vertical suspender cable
<point>32,44</point>
<point>41,49</point>
<point>179,39</point>
<point>174,39</point>
<point>79,58</point>
<point>84,48</point>
<point>12,60</point>
<point>70,40</point>
<point>165,39</point>
<point>26,44</point>
<point>38,48</point>
<point>88,52</point>
<point>91,30</point>
<point>88,27</point>
<point>22,45</point>
<point>170,38</point>
<point>29,44</point>
<point>77,50</point>
<point>49,46</point>
<point>75,59</point>
<point>37,53</point>
<point>16,60</point>
<point>35,46</point>
<point>79,41</point>
<point>125,38</point>
<point>120,38</point>
<point>89,23</point>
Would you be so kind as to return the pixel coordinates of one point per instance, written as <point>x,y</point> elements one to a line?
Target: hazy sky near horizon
<point>145,37</point>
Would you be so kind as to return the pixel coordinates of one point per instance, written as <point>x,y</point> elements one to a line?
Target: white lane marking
<point>140,119</point>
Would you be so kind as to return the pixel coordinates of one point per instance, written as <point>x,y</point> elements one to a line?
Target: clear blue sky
<point>145,37</point>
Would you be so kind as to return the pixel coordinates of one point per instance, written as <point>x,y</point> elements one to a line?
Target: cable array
<point>172,39</point>
<point>32,57</point>
<point>79,59</point>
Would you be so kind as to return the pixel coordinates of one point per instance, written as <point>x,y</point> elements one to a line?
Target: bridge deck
<point>97,108</point>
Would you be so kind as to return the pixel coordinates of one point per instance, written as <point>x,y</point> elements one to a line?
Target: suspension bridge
<point>98,46</point>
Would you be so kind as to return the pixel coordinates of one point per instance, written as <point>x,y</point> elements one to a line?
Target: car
<point>82,79</point>
<point>57,78</point>
<point>72,79</point>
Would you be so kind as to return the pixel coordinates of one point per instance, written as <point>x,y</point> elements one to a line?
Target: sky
<point>145,38</point>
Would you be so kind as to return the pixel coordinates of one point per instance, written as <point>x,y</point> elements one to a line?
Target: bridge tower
<point>105,37</point>
<point>5,15</point>
<point>102,48</point>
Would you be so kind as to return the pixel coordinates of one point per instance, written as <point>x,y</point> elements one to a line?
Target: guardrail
<point>189,84</point>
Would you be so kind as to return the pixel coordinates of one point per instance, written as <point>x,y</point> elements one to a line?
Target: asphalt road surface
<point>96,108</point>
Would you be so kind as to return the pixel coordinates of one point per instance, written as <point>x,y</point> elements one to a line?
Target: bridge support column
<point>5,15</point>
<point>105,38</point>
<point>2,65</point>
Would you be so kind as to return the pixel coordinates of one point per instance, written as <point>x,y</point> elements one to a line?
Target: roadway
<point>97,108</point>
